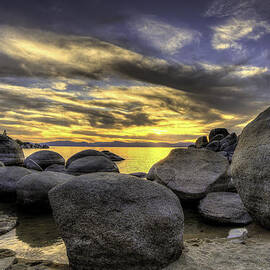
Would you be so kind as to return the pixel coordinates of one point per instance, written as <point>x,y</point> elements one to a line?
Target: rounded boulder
<point>117,221</point>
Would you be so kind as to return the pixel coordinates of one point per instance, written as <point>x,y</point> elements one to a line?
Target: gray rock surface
<point>11,153</point>
<point>84,153</point>
<point>213,146</point>
<point>218,131</point>
<point>91,164</point>
<point>228,141</point>
<point>9,176</point>
<point>189,173</point>
<point>32,190</point>
<point>32,165</point>
<point>117,221</point>
<point>139,174</point>
<point>43,159</point>
<point>8,221</point>
<point>201,142</point>
<point>217,137</point>
<point>224,208</point>
<point>7,259</point>
<point>251,170</point>
<point>112,156</point>
<point>56,168</point>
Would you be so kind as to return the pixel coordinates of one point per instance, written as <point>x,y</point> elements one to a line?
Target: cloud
<point>163,36</point>
<point>234,31</point>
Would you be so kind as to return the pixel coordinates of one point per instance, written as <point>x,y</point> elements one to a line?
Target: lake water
<point>137,159</point>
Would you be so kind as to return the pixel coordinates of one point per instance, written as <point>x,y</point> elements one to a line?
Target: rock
<point>230,148</point>
<point>7,259</point>
<point>90,164</point>
<point>117,221</point>
<point>224,208</point>
<point>84,153</point>
<point>11,153</point>
<point>189,173</point>
<point>251,170</point>
<point>201,142</point>
<point>218,131</point>
<point>227,141</point>
<point>213,146</point>
<point>112,156</point>
<point>32,190</point>
<point>32,165</point>
<point>8,221</point>
<point>139,174</point>
<point>2,164</point>
<point>44,159</point>
<point>192,146</point>
<point>218,137</point>
<point>238,235</point>
<point>56,168</point>
<point>9,176</point>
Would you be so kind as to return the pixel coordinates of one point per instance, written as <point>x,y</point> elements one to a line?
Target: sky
<point>132,71</point>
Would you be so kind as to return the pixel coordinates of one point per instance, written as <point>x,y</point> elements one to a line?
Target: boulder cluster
<point>110,220</point>
<point>219,140</point>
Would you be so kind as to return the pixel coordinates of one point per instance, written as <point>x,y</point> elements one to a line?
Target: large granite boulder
<point>189,173</point>
<point>224,208</point>
<point>85,153</point>
<point>11,153</point>
<point>112,156</point>
<point>218,131</point>
<point>9,176</point>
<point>32,190</point>
<point>117,221</point>
<point>251,170</point>
<point>91,164</point>
<point>43,159</point>
<point>201,142</point>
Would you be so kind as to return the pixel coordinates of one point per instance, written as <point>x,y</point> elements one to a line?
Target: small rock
<point>218,131</point>
<point>201,142</point>
<point>238,236</point>
<point>218,137</point>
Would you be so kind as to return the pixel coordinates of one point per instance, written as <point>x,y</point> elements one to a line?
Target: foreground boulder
<point>43,159</point>
<point>90,164</point>
<point>117,221</point>
<point>11,153</point>
<point>224,208</point>
<point>84,153</point>
<point>32,190</point>
<point>112,156</point>
<point>189,173</point>
<point>251,170</point>
<point>9,176</point>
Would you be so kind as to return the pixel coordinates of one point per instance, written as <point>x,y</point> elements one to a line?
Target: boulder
<point>9,176</point>
<point>218,137</point>
<point>201,142</point>
<point>11,153</point>
<point>8,221</point>
<point>90,164</point>
<point>112,156</point>
<point>218,131</point>
<point>224,208</point>
<point>32,165</point>
<point>43,159</point>
<point>139,174</point>
<point>190,173</point>
<point>228,141</point>
<point>251,170</point>
<point>213,146</point>
<point>56,168</point>
<point>84,153</point>
<point>32,190</point>
<point>117,221</point>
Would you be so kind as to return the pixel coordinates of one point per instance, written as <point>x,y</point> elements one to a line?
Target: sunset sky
<point>159,71</point>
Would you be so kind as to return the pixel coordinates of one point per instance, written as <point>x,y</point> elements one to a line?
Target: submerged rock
<point>117,221</point>
<point>9,176</point>
<point>190,173</point>
<point>224,208</point>
<point>84,153</point>
<point>91,164</point>
<point>32,190</point>
<point>43,159</point>
<point>251,170</point>
<point>11,153</point>
<point>112,156</point>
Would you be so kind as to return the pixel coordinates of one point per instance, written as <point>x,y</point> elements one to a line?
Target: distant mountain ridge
<point>116,144</point>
